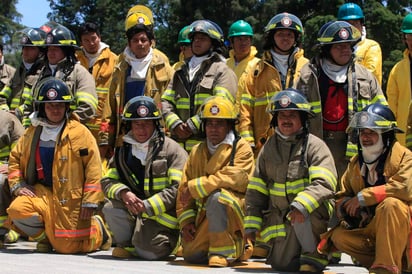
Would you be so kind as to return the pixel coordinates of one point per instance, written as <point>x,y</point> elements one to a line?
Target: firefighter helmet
<point>240,28</point>
<point>62,37</point>
<point>335,32</point>
<point>289,99</point>
<point>407,24</point>
<point>218,107</point>
<point>139,14</point>
<point>141,108</point>
<point>48,26</point>
<point>350,11</point>
<point>53,90</point>
<point>285,21</point>
<point>207,27</point>
<point>30,37</point>
<point>376,117</point>
<point>183,37</point>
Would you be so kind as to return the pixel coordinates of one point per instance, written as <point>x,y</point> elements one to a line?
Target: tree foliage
<point>383,19</point>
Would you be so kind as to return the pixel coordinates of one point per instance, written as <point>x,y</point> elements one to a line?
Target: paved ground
<point>20,258</point>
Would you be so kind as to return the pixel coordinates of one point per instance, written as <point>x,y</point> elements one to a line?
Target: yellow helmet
<point>218,107</point>
<point>139,14</point>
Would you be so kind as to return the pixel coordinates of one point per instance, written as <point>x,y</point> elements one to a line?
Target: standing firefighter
<point>141,185</point>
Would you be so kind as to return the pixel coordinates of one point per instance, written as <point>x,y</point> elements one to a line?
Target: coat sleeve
<point>85,96</point>
<point>246,110</point>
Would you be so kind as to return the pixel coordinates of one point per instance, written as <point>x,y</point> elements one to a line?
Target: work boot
<point>107,237</point>
<point>218,261</point>
<point>309,269</point>
<point>247,252</point>
<point>124,252</point>
<point>44,246</point>
<point>11,237</point>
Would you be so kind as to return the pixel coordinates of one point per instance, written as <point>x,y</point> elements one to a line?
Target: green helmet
<point>407,24</point>
<point>183,37</point>
<point>350,11</point>
<point>240,28</point>
<point>30,37</point>
<point>335,32</point>
<point>285,21</point>
<point>207,27</point>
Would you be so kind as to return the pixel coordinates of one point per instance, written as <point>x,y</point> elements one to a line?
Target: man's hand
<point>26,191</point>
<point>352,206</point>
<point>4,169</point>
<point>86,213</point>
<point>182,131</point>
<point>188,232</point>
<point>185,196</point>
<point>295,216</point>
<point>132,202</point>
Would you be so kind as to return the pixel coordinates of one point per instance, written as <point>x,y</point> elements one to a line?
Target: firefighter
<point>368,52</point>
<point>54,173</point>
<point>374,202</point>
<point>337,87</point>
<point>141,185</point>
<point>293,182</point>
<point>243,54</point>
<point>10,131</point>
<point>61,62</point>
<point>99,60</point>
<point>278,69</point>
<point>399,85</point>
<point>6,71</point>
<point>203,75</point>
<point>184,45</point>
<point>211,194</point>
<point>12,97</point>
<point>141,69</point>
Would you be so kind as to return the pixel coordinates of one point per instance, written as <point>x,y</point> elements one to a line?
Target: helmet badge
<point>51,94</point>
<point>364,118</point>
<point>24,40</point>
<point>49,39</point>
<point>142,111</point>
<point>284,101</point>
<point>286,22</point>
<point>214,110</point>
<point>344,34</point>
<point>140,20</point>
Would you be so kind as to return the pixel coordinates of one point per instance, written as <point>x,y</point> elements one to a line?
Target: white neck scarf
<point>230,137</point>
<point>139,150</point>
<point>336,73</point>
<point>194,65</point>
<point>139,66</point>
<point>93,56</point>
<point>27,65</point>
<point>280,61</point>
<point>49,132</point>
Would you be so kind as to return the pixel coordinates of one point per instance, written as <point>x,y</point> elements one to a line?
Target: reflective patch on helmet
<point>364,117</point>
<point>24,40</point>
<point>49,39</point>
<point>51,94</point>
<point>284,101</point>
<point>343,34</point>
<point>214,110</point>
<point>286,21</point>
<point>140,20</point>
<point>142,111</point>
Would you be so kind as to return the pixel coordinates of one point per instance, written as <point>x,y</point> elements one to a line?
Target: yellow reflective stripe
<point>174,175</point>
<point>323,262</point>
<point>93,126</point>
<point>263,101</point>
<point>86,98</point>
<point>169,95</point>
<point>307,201</point>
<point>5,92</point>
<point>189,144</point>
<point>4,152</point>
<point>14,103</point>
<point>188,214</point>
<point>226,251</point>
<point>323,173</point>
<point>222,91</point>
<point>296,186</point>
<point>112,174</point>
<point>102,90</point>
<point>158,183</point>
<point>258,184</point>
<point>171,119</point>
<point>253,222</point>
<point>248,136</point>
<point>201,191</point>
<point>26,93</point>
<point>278,189</point>
<point>247,99</point>
<point>164,219</point>
<point>409,140</point>
<point>196,121</point>
<point>113,189</point>
<point>273,231</point>
<point>351,149</point>
<point>200,98</point>
<point>379,98</point>
<point>183,103</point>
<point>316,106</point>
<point>2,220</point>
<point>226,198</point>
<point>157,204</point>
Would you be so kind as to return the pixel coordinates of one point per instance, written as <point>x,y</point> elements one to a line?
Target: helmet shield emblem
<point>284,101</point>
<point>142,111</point>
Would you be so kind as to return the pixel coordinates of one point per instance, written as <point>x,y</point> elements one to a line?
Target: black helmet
<point>53,90</point>
<point>375,117</point>
<point>141,108</point>
<point>62,37</point>
<point>207,27</point>
<point>289,99</point>
<point>30,37</point>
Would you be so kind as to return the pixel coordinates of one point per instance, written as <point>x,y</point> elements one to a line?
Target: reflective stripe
<point>183,103</point>
<point>248,136</point>
<point>247,100</point>
<point>157,204</point>
<point>174,175</point>
<point>164,219</point>
<point>273,231</point>
<point>91,187</point>
<point>188,214</point>
<point>171,119</point>
<point>113,189</point>
<point>2,220</point>
<point>296,186</point>
<point>5,92</point>
<point>158,183</point>
<point>316,107</point>
<point>351,149</point>
<point>112,174</point>
<point>4,152</point>
<point>309,202</point>
<point>225,251</point>
<point>74,233</point>
<point>258,184</point>
<point>253,222</point>
<point>323,173</point>
<point>222,91</point>
<point>201,191</point>
<point>87,98</point>
<point>169,95</point>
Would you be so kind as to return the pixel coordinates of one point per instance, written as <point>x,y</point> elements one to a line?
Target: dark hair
<point>139,28</point>
<point>1,47</point>
<point>88,28</point>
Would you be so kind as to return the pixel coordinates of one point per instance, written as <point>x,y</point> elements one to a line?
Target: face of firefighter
<point>216,130</point>
<point>201,44</point>
<point>341,53</point>
<point>408,42</point>
<point>186,49</point>
<point>55,112</point>
<point>289,122</point>
<point>368,137</point>
<point>140,44</point>
<point>90,42</point>
<point>284,40</point>
<point>30,54</point>
<point>55,54</point>
<point>241,46</point>
<point>142,130</point>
